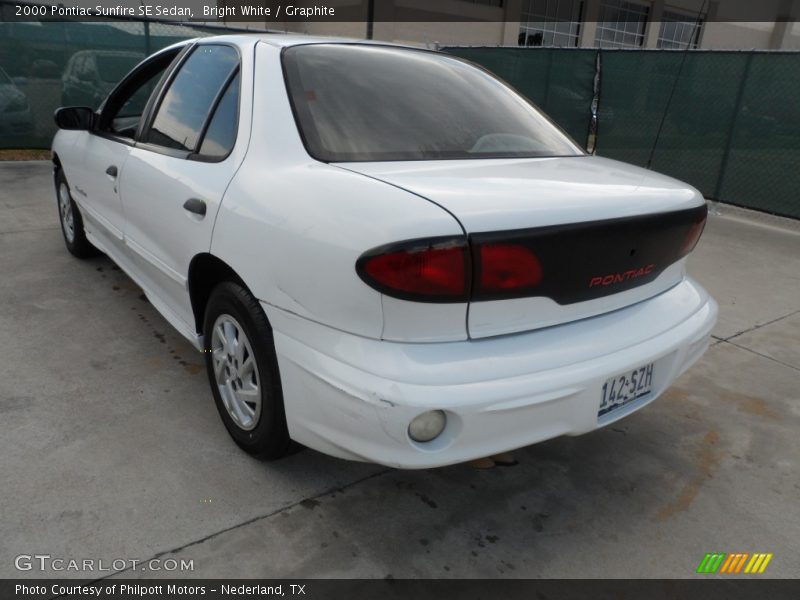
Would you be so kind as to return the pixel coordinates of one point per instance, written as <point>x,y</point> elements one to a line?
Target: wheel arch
<point>57,167</point>
<point>206,271</point>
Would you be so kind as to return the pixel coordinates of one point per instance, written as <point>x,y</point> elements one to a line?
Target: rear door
<point>178,172</point>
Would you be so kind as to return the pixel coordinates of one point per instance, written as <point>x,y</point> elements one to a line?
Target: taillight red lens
<point>508,268</point>
<point>435,272</point>
<point>693,235</point>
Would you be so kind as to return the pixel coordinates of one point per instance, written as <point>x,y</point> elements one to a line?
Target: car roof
<point>277,39</point>
<point>284,40</point>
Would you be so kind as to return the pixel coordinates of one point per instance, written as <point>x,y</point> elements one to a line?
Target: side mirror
<point>75,117</point>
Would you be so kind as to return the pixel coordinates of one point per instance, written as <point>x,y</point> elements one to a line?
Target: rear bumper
<point>354,397</point>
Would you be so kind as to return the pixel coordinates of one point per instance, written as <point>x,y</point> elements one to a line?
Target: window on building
<point>498,3</point>
<point>679,31</point>
<point>621,24</point>
<point>550,22</point>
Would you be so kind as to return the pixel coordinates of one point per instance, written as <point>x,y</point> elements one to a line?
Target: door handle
<point>196,206</point>
<point>112,171</point>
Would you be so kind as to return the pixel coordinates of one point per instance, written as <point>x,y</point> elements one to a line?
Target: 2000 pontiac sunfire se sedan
<point>386,253</point>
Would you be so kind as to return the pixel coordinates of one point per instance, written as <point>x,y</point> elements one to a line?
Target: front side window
<point>192,96</point>
<point>83,69</point>
<point>375,103</point>
<point>123,109</point>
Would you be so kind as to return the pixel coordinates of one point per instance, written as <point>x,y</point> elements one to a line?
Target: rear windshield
<point>377,103</point>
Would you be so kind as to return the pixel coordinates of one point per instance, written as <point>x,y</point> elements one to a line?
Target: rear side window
<point>192,96</point>
<point>221,133</point>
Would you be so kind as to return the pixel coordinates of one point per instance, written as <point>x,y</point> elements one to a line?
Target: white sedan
<point>385,253</point>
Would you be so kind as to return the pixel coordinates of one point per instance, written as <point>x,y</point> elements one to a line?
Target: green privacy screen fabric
<point>44,65</point>
<point>762,169</point>
<point>730,121</point>
<point>637,96</point>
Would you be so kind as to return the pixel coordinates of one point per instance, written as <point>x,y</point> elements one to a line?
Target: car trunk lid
<point>603,234</point>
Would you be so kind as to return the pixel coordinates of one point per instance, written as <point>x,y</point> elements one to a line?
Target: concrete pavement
<point>112,448</point>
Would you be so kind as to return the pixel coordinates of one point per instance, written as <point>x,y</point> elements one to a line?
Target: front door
<point>96,188</point>
<point>106,149</point>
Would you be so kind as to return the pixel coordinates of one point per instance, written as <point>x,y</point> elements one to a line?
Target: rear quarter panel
<point>293,227</point>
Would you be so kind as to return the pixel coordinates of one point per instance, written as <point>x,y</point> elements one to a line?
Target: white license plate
<point>623,389</point>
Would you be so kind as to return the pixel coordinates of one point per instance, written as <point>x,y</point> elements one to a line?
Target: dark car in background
<point>91,74</point>
<point>15,112</point>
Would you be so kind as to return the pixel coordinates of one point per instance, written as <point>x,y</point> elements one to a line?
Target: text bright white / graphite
<point>250,10</point>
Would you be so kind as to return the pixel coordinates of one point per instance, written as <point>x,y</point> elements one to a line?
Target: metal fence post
<point>723,167</point>
<point>594,107</point>
<point>147,50</point>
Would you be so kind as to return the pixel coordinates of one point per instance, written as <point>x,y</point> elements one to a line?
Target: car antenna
<point>695,31</point>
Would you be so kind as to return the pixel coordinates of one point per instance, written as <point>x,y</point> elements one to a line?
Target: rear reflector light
<point>422,270</point>
<point>427,426</point>
<point>507,267</point>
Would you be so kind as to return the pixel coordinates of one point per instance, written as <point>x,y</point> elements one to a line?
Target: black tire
<point>76,243</point>
<point>268,437</point>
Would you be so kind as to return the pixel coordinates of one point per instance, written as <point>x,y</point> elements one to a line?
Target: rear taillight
<point>694,233</point>
<point>569,263</point>
<point>434,270</point>
<point>507,268</point>
<point>439,270</point>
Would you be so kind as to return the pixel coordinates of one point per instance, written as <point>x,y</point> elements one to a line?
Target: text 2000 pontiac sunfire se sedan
<point>385,253</point>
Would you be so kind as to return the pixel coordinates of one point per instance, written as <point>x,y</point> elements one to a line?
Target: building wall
<point>345,29</point>
<point>716,33</point>
<point>429,34</point>
<point>737,36</point>
<point>424,23</point>
<point>792,41</point>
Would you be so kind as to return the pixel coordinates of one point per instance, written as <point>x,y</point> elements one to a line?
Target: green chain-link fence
<point>44,65</point>
<point>729,121</point>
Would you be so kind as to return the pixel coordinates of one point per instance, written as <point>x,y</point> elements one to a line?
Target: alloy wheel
<point>235,372</point>
<point>65,210</point>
